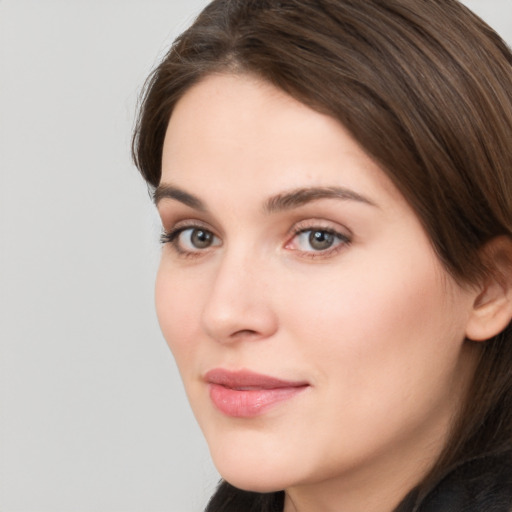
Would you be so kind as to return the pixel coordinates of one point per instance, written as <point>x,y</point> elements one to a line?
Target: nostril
<point>244,333</point>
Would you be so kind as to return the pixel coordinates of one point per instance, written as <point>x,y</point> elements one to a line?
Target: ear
<point>492,308</point>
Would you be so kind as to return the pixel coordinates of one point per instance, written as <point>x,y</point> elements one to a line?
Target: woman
<point>334,179</point>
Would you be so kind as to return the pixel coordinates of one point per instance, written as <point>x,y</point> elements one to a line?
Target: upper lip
<point>245,379</point>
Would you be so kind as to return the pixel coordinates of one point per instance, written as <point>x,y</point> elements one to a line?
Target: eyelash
<point>172,238</point>
<point>301,229</point>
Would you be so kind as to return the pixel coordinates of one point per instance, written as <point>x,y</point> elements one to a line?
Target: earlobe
<point>492,308</point>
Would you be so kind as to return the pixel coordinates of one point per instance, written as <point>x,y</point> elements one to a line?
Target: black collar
<point>482,484</point>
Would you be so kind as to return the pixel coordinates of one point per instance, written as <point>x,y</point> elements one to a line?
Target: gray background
<point>92,414</point>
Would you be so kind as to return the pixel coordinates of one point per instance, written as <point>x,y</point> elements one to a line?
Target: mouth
<point>244,394</point>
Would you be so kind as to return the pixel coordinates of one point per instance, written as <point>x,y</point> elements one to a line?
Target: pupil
<point>201,238</point>
<point>321,240</point>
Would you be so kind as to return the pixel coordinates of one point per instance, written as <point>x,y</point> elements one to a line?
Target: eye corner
<point>190,239</point>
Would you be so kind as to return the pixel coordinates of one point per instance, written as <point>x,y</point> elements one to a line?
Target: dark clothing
<point>483,484</point>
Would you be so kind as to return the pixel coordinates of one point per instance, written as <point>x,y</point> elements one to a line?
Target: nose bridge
<point>239,302</point>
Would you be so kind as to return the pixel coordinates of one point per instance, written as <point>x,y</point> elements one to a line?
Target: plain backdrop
<point>93,417</point>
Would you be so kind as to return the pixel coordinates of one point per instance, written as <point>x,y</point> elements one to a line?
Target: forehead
<point>241,132</point>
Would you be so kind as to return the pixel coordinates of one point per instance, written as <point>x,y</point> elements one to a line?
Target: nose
<point>239,306</point>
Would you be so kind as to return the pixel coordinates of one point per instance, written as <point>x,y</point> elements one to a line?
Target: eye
<point>194,239</point>
<point>317,241</point>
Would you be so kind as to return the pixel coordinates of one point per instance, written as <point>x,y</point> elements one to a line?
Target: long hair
<point>425,88</point>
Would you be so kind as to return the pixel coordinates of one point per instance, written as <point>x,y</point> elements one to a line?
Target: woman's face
<point>317,334</point>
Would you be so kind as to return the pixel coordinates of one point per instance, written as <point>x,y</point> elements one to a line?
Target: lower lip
<point>250,403</point>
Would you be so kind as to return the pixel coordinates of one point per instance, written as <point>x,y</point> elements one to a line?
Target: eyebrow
<point>171,192</point>
<point>302,196</point>
<point>280,202</point>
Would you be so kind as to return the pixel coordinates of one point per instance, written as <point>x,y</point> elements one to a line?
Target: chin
<point>254,479</point>
<point>254,466</point>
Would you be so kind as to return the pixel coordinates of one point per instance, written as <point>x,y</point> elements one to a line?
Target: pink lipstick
<point>244,394</point>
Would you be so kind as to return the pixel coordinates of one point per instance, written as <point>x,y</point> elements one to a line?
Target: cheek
<point>384,349</point>
<point>379,333</point>
<point>177,307</point>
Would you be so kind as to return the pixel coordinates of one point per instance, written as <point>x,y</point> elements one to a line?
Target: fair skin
<point>336,288</point>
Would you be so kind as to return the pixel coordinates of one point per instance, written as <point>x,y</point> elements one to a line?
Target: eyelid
<point>171,236</point>
<point>179,222</point>
<point>321,225</point>
<point>344,235</point>
<point>179,226</point>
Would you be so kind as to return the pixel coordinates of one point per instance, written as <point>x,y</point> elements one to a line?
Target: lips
<point>245,394</point>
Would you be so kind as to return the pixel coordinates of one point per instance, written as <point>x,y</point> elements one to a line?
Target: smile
<point>246,394</point>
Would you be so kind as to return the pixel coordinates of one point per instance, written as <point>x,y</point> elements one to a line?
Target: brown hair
<point>425,87</point>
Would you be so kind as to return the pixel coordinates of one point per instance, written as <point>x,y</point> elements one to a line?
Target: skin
<point>374,324</point>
